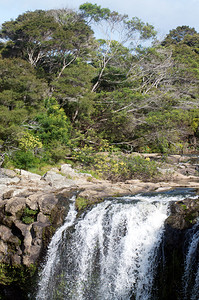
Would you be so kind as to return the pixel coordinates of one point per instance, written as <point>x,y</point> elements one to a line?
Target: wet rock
<point>184,214</point>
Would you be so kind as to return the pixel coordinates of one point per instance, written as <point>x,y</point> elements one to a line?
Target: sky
<point>164,15</point>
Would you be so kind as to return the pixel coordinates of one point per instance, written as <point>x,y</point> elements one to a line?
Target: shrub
<point>141,168</point>
<point>25,160</point>
<point>29,215</point>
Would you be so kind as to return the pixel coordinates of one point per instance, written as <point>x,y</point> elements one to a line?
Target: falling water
<point>191,272</point>
<point>109,253</point>
<point>53,257</point>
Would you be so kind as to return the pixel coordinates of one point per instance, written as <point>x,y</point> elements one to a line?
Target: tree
<point>19,85</point>
<point>118,31</point>
<point>53,125</point>
<point>30,36</point>
<point>52,39</point>
<point>73,91</point>
<point>175,36</point>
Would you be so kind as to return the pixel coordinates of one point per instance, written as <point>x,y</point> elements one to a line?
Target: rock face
<point>33,206</point>
<point>184,215</point>
<point>24,219</point>
<point>31,209</point>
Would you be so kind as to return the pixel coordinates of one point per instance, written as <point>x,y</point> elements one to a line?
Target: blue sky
<point>163,14</point>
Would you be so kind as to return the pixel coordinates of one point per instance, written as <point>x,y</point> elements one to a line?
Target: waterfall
<point>53,257</point>
<point>110,252</point>
<point>191,269</point>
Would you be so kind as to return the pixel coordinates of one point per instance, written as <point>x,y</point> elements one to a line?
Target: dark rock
<point>184,214</point>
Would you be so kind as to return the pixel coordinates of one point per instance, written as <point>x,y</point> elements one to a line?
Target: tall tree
<point>117,30</point>
<point>19,85</point>
<point>53,39</point>
<point>175,36</point>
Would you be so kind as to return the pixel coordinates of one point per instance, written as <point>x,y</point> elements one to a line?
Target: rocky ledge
<point>33,206</point>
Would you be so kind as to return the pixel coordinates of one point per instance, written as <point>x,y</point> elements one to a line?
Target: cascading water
<point>109,253</point>
<point>53,257</point>
<point>191,272</point>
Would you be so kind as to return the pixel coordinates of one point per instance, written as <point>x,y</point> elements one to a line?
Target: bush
<point>29,215</point>
<point>25,160</point>
<point>142,168</point>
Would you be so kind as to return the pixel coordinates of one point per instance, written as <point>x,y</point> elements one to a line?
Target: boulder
<point>67,170</point>
<point>7,173</point>
<point>184,214</point>
<point>28,175</point>
<point>57,181</point>
<point>14,205</point>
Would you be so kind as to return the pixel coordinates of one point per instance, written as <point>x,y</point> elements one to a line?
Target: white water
<point>53,257</point>
<point>111,253</point>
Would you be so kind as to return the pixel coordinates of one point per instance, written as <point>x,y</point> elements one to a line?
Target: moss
<point>16,274</point>
<point>81,203</point>
<point>29,215</point>
<point>184,207</point>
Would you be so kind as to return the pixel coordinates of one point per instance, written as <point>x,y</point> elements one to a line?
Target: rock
<point>7,173</point>
<point>9,181</point>
<point>42,218</point>
<point>28,175</point>
<point>3,248</point>
<point>46,203</point>
<point>32,201</point>
<point>8,194</point>
<point>15,205</point>
<point>57,180</point>
<point>16,259</point>
<point>184,214</point>
<point>67,170</point>
<point>5,233</point>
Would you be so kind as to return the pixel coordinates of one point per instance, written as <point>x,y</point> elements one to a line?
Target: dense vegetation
<point>66,95</point>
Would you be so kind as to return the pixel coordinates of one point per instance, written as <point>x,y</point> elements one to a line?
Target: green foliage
<point>24,159</point>
<point>49,40</point>
<point>167,131</point>
<point>29,215</point>
<point>115,166</point>
<point>73,91</point>
<point>29,142</point>
<point>19,85</point>
<point>177,35</point>
<point>94,11</point>
<point>142,168</point>
<point>19,275</point>
<point>81,203</point>
<point>53,124</point>
<point>101,94</point>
